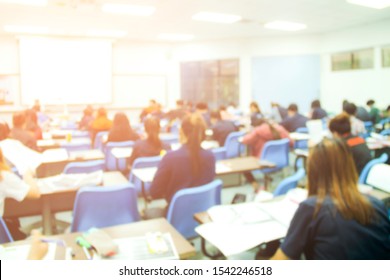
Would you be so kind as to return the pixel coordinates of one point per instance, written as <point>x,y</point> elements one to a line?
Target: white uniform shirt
<point>11,186</point>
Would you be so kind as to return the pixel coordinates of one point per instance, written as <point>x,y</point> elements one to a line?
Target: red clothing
<point>261,134</point>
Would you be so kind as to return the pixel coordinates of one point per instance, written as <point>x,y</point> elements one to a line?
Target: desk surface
<point>184,248</point>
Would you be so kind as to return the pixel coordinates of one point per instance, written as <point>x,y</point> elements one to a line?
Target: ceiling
<point>174,16</point>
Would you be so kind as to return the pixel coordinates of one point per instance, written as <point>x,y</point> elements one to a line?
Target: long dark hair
<point>193,127</point>
<point>152,128</point>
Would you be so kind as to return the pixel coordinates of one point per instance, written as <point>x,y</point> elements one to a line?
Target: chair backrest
<point>232,145</point>
<point>84,166</point>
<point>5,235</point>
<point>301,144</point>
<point>98,141</point>
<point>113,163</point>
<point>186,202</point>
<point>72,147</point>
<point>363,175</point>
<point>369,126</point>
<point>385,132</point>
<point>289,183</point>
<point>143,162</point>
<point>104,206</point>
<point>276,151</point>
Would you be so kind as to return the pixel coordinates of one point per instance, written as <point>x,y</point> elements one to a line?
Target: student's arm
<point>280,255</point>
<point>38,249</point>
<point>33,192</point>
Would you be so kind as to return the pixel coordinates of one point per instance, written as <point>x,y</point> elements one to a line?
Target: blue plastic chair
<point>232,148</point>
<point>369,126</point>
<point>363,175</point>
<point>98,141</point>
<point>5,235</point>
<point>73,147</point>
<point>385,132</point>
<point>84,166</point>
<point>104,206</point>
<point>186,202</point>
<point>113,163</point>
<point>275,151</point>
<point>289,183</point>
<point>143,162</point>
<point>301,144</point>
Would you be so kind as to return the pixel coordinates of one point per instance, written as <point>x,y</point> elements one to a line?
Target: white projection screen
<point>64,71</point>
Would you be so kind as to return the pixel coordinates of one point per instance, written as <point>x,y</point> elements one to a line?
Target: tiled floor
<point>227,196</point>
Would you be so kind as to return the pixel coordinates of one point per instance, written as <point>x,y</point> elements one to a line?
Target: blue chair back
<point>104,206</point>
<point>233,147</point>
<point>98,141</point>
<point>301,144</point>
<point>73,147</point>
<point>143,162</point>
<point>5,235</point>
<point>369,126</point>
<point>84,166</point>
<point>289,183</point>
<point>276,151</point>
<point>186,202</point>
<point>363,175</point>
<point>219,153</point>
<point>113,163</point>
<point>385,132</point>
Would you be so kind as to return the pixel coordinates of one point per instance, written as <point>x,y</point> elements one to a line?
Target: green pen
<point>83,243</point>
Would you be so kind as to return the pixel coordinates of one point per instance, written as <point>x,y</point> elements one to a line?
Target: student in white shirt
<point>13,187</point>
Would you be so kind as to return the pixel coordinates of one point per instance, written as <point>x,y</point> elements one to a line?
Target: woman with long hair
<point>152,145</point>
<point>188,166</point>
<point>121,130</point>
<point>336,221</point>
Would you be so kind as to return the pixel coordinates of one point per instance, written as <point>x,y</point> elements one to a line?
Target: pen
<point>87,254</point>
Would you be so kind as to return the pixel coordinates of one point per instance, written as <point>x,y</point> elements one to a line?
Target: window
<point>214,82</point>
<point>386,56</point>
<point>354,60</point>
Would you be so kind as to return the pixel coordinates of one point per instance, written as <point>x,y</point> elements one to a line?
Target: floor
<point>232,187</point>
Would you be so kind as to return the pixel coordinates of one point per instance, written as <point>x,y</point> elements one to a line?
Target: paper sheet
<point>243,213</point>
<point>20,252</point>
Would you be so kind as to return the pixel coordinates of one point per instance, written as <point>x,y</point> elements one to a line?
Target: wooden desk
<point>53,202</point>
<point>54,161</point>
<point>47,144</point>
<point>183,247</point>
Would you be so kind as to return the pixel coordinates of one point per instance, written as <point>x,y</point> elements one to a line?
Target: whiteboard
<point>135,91</point>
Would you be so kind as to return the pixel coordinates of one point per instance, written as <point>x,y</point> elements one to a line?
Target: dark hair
<point>194,127</point>
<point>315,104</point>
<point>180,102</point>
<point>120,120</point>
<point>152,128</point>
<point>256,106</point>
<point>350,109</point>
<point>293,107</point>
<point>101,112</point>
<point>370,102</point>
<point>340,124</point>
<point>201,106</point>
<point>215,114</point>
<point>19,119</point>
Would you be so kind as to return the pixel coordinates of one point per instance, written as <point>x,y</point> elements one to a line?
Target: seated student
<point>340,126</point>
<point>221,128</point>
<point>178,113</point>
<point>203,110</point>
<point>121,130</point>
<point>255,113</point>
<point>152,145</point>
<point>4,130</point>
<point>357,126</point>
<point>19,132</point>
<point>263,132</point>
<point>186,167</point>
<point>19,189</point>
<point>294,119</point>
<point>336,221</point>
<point>375,114</point>
<point>87,118</point>
<point>153,109</point>
<point>32,124</point>
<point>279,113</point>
<point>317,112</point>
<point>100,123</point>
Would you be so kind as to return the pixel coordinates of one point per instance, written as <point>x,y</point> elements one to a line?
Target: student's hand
<point>38,249</point>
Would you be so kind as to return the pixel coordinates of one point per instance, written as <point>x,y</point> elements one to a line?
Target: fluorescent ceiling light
<point>133,10</point>
<point>26,2</point>
<point>216,17</point>
<point>175,37</point>
<point>375,4</point>
<point>106,33</point>
<point>285,25</point>
<point>19,29</point>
